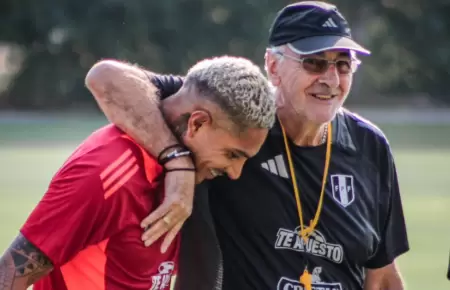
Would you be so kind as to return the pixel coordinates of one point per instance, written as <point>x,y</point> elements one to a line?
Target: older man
<point>85,233</point>
<point>319,206</point>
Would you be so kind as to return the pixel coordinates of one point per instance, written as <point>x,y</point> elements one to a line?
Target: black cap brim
<point>315,44</point>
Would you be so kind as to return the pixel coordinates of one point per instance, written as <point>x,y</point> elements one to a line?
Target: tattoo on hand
<point>23,261</point>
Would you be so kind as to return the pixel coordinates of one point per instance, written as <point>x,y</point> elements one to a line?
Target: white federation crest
<point>343,189</point>
<point>162,280</point>
<point>166,268</point>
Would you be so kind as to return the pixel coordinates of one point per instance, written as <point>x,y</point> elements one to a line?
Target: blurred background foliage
<point>47,46</point>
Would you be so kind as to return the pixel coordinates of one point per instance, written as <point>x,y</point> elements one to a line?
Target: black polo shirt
<point>361,224</point>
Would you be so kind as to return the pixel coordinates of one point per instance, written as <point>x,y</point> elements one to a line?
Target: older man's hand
<point>170,216</point>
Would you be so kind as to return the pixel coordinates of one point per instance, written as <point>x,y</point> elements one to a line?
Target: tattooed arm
<point>22,265</point>
<point>129,97</point>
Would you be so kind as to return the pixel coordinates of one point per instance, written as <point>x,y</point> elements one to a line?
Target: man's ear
<point>198,120</point>
<point>271,66</point>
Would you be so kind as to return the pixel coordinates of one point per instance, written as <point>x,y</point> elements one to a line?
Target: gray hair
<point>238,87</point>
<point>281,49</point>
<point>277,51</point>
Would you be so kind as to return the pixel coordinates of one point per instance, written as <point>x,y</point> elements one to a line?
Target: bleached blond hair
<point>238,87</point>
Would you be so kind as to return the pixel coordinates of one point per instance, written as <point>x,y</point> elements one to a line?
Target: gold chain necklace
<point>305,232</point>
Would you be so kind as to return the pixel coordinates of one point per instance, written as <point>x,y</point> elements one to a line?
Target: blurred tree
<point>63,39</point>
<point>409,57</point>
<point>414,48</point>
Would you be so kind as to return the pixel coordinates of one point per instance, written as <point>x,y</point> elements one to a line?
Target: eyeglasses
<point>316,65</point>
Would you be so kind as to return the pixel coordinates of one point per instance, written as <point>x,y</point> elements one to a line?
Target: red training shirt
<point>87,223</point>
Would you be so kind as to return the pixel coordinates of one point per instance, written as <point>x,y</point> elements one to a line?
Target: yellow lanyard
<point>305,232</point>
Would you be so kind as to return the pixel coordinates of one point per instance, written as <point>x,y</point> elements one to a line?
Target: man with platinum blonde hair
<point>238,87</point>
<point>85,233</point>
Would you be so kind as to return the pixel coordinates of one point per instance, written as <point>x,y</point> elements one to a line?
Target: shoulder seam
<point>368,125</point>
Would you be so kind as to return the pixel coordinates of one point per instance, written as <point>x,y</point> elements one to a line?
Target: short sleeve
<point>393,239</point>
<point>64,221</point>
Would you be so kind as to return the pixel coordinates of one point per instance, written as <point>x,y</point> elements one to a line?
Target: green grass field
<point>31,152</point>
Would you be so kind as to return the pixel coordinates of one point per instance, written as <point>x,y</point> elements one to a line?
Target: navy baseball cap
<point>312,26</point>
